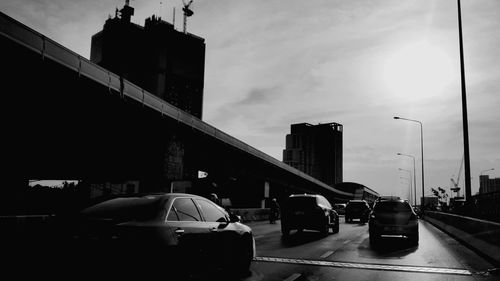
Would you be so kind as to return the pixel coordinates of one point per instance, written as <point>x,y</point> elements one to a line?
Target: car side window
<point>183,209</point>
<point>210,212</point>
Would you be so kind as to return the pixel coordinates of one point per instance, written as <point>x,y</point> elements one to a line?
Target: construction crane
<point>455,187</point>
<point>187,13</point>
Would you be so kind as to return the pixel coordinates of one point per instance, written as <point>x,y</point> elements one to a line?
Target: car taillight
<point>372,216</point>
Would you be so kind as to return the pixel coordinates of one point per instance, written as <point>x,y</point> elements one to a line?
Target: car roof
<point>392,200</point>
<point>146,195</point>
<point>304,195</point>
<point>389,198</point>
<point>356,201</point>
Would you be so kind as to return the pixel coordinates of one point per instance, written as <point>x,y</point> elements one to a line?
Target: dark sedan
<point>308,211</point>
<point>179,232</point>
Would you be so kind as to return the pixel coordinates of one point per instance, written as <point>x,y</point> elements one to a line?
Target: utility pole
<point>464,111</point>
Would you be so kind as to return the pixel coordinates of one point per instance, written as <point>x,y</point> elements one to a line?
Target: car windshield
<point>392,207</point>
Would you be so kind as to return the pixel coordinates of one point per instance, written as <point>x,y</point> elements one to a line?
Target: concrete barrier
<point>252,214</point>
<point>481,236</point>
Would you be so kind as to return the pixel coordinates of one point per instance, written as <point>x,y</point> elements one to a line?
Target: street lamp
<point>467,177</point>
<point>414,178</point>
<point>422,153</point>
<point>408,179</point>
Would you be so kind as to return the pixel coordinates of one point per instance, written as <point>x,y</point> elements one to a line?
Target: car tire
<point>374,239</point>
<point>285,230</point>
<point>244,257</point>
<point>325,230</point>
<point>336,227</point>
<point>414,239</point>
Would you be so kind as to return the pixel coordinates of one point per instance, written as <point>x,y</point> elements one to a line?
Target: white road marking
<point>293,277</point>
<point>346,241</point>
<point>327,254</point>
<point>421,269</point>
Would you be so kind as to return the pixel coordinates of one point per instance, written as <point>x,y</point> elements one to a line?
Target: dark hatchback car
<point>357,209</point>
<point>182,233</point>
<point>393,217</point>
<point>308,211</point>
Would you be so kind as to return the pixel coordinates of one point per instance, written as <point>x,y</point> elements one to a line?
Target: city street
<point>349,256</point>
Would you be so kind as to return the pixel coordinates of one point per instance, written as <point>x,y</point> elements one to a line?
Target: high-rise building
<point>167,63</point>
<point>487,185</point>
<point>316,150</point>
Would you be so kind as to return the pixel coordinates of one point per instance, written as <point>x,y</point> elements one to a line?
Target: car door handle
<point>179,231</point>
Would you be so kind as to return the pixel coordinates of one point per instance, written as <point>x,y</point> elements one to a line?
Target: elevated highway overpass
<point>67,118</point>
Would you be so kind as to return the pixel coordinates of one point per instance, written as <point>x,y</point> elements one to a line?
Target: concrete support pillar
<point>266,194</point>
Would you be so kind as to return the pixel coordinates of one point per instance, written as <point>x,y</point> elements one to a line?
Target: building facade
<point>487,185</point>
<point>316,150</point>
<point>167,63</point>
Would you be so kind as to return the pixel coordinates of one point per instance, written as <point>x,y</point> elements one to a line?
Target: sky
<point>270,64</point>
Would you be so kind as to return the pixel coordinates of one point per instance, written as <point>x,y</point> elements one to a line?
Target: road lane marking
<point>406,268</point>
<point>293,277</point>
<point>327,254</point>
<point>346,241</point>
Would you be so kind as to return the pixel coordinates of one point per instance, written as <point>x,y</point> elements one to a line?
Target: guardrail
<point>479,235</point>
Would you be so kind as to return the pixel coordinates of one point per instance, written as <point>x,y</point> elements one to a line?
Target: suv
<point>308,211</point>
<point>393,217</point>
<point>357,209</point>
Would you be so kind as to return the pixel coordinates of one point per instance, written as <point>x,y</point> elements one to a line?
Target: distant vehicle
<point>393,217</point>
<point>340,208</point>
<point>357,209</point>
<point>172,229</point>
<point>308,211</point>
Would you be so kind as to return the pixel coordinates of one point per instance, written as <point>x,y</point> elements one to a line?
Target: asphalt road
<point>348,255</point>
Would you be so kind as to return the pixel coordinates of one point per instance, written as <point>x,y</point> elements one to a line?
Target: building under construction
<point>167,63</point>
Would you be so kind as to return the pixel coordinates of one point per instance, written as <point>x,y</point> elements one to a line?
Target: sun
<point>418,71</point>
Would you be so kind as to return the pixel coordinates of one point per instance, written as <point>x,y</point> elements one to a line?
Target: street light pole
<point>414,178</point>
<point>464,110</point>
<point>422,153</point>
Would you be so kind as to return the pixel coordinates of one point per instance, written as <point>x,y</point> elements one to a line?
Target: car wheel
<point>336,227</point>
<point>285,231</point>
<point>374,239</point>
<point>244,257</point>
<point>414,239</point>
<point>325,230</point>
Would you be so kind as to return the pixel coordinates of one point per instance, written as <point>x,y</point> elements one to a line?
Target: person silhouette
<point>214,198</point>
<point>274,211</point>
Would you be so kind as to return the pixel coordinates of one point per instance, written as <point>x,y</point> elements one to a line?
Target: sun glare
<point>418,71</point>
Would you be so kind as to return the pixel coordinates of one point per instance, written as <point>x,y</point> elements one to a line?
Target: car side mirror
<point>234,218</point>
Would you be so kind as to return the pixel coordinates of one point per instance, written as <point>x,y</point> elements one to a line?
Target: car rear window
<point>301,202</point>
<point>392,207</point>
<point>356,204</point>
<point>123,209</point>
